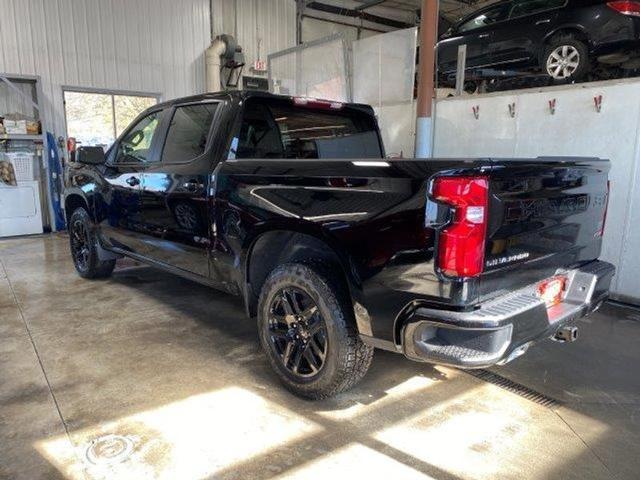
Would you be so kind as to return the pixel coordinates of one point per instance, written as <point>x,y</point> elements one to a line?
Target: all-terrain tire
<point>83,246</point>
<point>347,358</point>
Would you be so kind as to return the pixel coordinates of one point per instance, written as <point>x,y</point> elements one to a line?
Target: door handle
<point>133,181</point>
<point>483,35</point>
<point>192,185</point>
<point>546,20</point>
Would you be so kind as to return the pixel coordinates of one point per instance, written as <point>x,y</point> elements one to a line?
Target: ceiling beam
<point>347,12</point>
<point>370,3</point>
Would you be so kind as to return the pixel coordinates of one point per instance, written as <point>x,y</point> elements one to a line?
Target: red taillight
<point>461,243</point>
<point>626,7</point>
<point>551,290</point>
<point>606,208</point>
<point>319,104</point>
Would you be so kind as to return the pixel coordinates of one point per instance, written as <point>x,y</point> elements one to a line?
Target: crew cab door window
<point>484,19</point>
<point>188,132</point>
<point>135,146</point>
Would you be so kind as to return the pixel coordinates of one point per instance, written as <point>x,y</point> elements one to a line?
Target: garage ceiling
<point>452,10</point>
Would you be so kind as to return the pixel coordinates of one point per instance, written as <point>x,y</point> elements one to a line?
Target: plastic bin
<point>23,165</point>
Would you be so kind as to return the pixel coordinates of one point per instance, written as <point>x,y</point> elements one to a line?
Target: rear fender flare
<point>318,244</point>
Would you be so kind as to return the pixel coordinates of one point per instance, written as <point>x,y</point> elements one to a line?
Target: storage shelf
<point>10,136</point>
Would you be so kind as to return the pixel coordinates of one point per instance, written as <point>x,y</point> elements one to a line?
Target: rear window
<point>522,8</point>
<point>282,130</point>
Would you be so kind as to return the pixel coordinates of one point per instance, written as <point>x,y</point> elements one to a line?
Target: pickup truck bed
<point>465,262</point>
<point>544,217</point>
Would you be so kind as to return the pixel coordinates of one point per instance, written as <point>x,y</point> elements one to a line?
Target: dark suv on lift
<point>564,38</point>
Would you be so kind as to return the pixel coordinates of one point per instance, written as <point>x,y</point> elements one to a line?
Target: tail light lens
<point>461,243</point>
<point>626,7</point>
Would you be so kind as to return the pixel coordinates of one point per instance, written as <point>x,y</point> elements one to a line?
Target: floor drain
<point>109,449</point>
<point>514,387</point>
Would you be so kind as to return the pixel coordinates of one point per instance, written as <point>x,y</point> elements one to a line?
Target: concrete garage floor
<point>175,369</point>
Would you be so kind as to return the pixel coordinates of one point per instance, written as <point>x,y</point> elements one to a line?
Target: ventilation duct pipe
<point>213,58</point>
<point>224,52</point>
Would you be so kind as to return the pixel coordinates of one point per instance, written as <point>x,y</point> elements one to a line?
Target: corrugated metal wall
<point>260,26</point>
<point>154,46</point>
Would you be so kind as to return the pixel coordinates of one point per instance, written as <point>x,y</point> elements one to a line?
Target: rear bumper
<point>504,328</point>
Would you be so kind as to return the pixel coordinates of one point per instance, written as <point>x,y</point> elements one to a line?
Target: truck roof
<point>239,95</point>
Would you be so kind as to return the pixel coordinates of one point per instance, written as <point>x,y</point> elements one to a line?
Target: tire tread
<point>97,269</point>
<point>357,356</point>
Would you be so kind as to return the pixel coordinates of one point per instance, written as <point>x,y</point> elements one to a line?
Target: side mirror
<point>90,155</point>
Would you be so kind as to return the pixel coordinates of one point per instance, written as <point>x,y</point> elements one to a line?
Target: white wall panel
<point>261,27</point>
<point>154,46</point>
<point>398,128</point>
<point>575,129</point>
<point>315,29</point>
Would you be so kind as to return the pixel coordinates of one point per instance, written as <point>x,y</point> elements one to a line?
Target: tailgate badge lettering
<point>494,262</point>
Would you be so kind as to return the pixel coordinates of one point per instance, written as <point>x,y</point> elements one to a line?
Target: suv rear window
<point>276,129</point>
<point>487,17</point>
<point>522,8</point>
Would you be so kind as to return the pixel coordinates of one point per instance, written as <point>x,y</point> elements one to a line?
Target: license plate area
<point>552,290</point>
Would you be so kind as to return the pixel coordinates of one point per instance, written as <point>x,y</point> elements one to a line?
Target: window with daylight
<point>97,118</point>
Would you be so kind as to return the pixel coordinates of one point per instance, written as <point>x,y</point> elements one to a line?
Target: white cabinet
<point>20,209</point>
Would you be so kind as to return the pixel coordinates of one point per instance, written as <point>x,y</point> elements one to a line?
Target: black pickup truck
<point>291,204</point>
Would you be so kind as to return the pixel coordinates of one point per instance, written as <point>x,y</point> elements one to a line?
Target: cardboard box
<point>33,128</point>
<point>15,127</point>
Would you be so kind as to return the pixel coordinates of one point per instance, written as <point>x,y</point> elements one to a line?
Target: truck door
<point>121,206</point>
<point>175,200</point>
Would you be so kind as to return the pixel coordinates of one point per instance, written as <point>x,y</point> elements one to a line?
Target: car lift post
<point>428,36</point>
<point>460,70</point>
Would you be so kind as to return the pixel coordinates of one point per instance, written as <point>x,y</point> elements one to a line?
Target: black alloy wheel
<point>186,217</point>
<point>80,245</point>
<point>308,331</point>
<point>84,247</point>
<point>297,332</point>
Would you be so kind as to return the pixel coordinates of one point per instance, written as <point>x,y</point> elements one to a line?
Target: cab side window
<point>135,146</point>
<point>188,132</point>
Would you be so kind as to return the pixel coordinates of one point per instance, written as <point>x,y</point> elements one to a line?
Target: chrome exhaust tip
<point>566,334</point>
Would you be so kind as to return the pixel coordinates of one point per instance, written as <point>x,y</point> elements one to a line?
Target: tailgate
<point>544,214</point>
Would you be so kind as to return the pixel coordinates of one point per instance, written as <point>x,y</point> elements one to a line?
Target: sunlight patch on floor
<point>190,439</point>
<point>491,430</point>
<point>355,461</point>
<point>415,385</point>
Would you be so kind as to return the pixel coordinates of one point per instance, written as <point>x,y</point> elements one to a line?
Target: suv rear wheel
<point>307,330</point>
<point>83,244</point>
<point>566,59</point>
